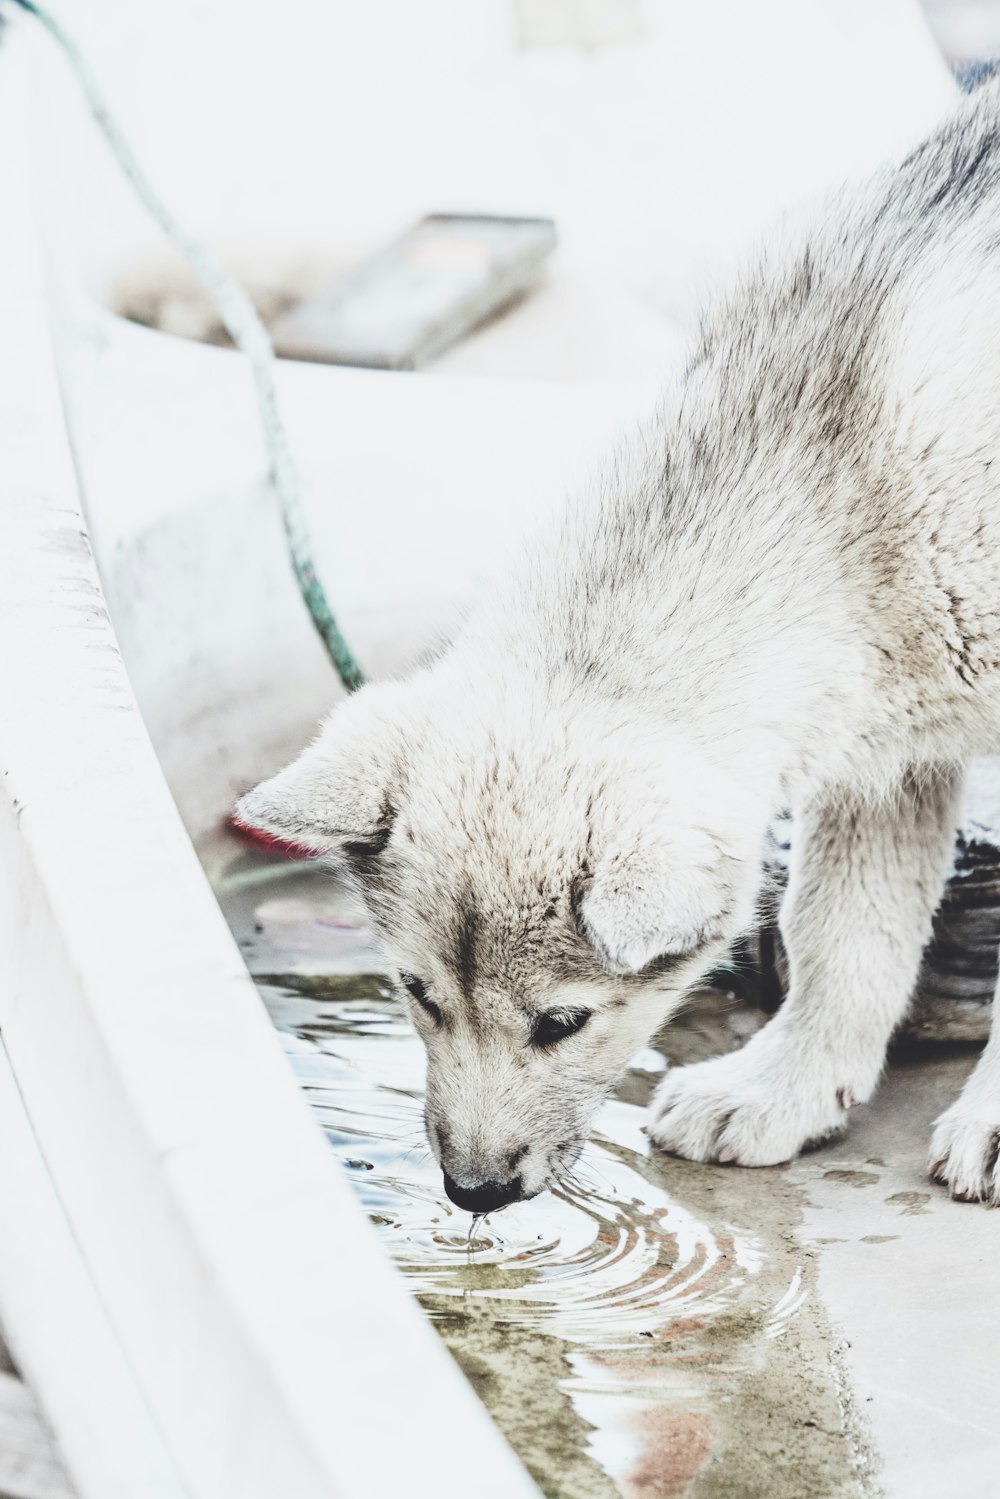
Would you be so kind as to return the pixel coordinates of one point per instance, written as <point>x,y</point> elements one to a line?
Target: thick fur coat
<point>783,591</point>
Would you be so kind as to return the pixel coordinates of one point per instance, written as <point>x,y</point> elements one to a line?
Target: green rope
<point>247,332</point>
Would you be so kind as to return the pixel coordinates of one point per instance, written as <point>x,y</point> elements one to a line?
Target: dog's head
<point>544,893</point>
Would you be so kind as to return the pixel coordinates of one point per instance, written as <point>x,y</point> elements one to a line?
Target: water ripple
<point>604,1259</point>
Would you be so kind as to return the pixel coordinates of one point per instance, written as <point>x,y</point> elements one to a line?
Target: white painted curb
<point>190,1286</point>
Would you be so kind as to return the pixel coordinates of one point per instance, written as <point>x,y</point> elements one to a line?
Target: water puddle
<point>652,1330</point>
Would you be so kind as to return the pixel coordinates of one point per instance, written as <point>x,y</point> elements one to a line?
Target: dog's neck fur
<point>767,700</point>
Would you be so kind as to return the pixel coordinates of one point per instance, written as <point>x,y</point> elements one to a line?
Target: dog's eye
<point>557,1025</point>
<point>419,992</point>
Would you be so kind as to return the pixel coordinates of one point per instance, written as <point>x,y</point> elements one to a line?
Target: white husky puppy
<point>784,592</point>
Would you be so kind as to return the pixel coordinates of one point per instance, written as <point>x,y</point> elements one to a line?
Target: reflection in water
<point>614,1332</point>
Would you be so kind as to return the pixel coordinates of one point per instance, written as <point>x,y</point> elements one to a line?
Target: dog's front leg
<point>866,880</point>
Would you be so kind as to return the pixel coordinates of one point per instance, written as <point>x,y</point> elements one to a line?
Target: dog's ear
<point>339,795</point>
<point>659,899</point>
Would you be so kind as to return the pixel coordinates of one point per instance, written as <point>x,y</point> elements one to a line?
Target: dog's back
<point>839,417</point>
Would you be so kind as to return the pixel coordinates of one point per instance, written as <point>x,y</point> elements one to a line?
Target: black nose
<point>486,1198</point>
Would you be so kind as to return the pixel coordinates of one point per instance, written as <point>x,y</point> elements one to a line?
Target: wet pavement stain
<point>782,1422</point>
<point>652,1329</point>
<point>912,1204</point>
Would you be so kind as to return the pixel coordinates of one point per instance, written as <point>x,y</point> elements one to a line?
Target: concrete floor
<point>899,1280</point>
<point>910,1278</point>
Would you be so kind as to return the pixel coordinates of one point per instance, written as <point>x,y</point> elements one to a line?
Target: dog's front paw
<point>756,1107</point>
<point>965,1152</point>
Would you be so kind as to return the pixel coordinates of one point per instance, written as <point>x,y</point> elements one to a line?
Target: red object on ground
<point>267,842</point>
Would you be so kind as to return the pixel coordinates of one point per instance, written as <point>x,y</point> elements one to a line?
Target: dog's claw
<point>964,1154</point>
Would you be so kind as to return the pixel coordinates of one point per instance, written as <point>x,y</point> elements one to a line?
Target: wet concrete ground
<point>913,1279</point>
<point>659,1328</point>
